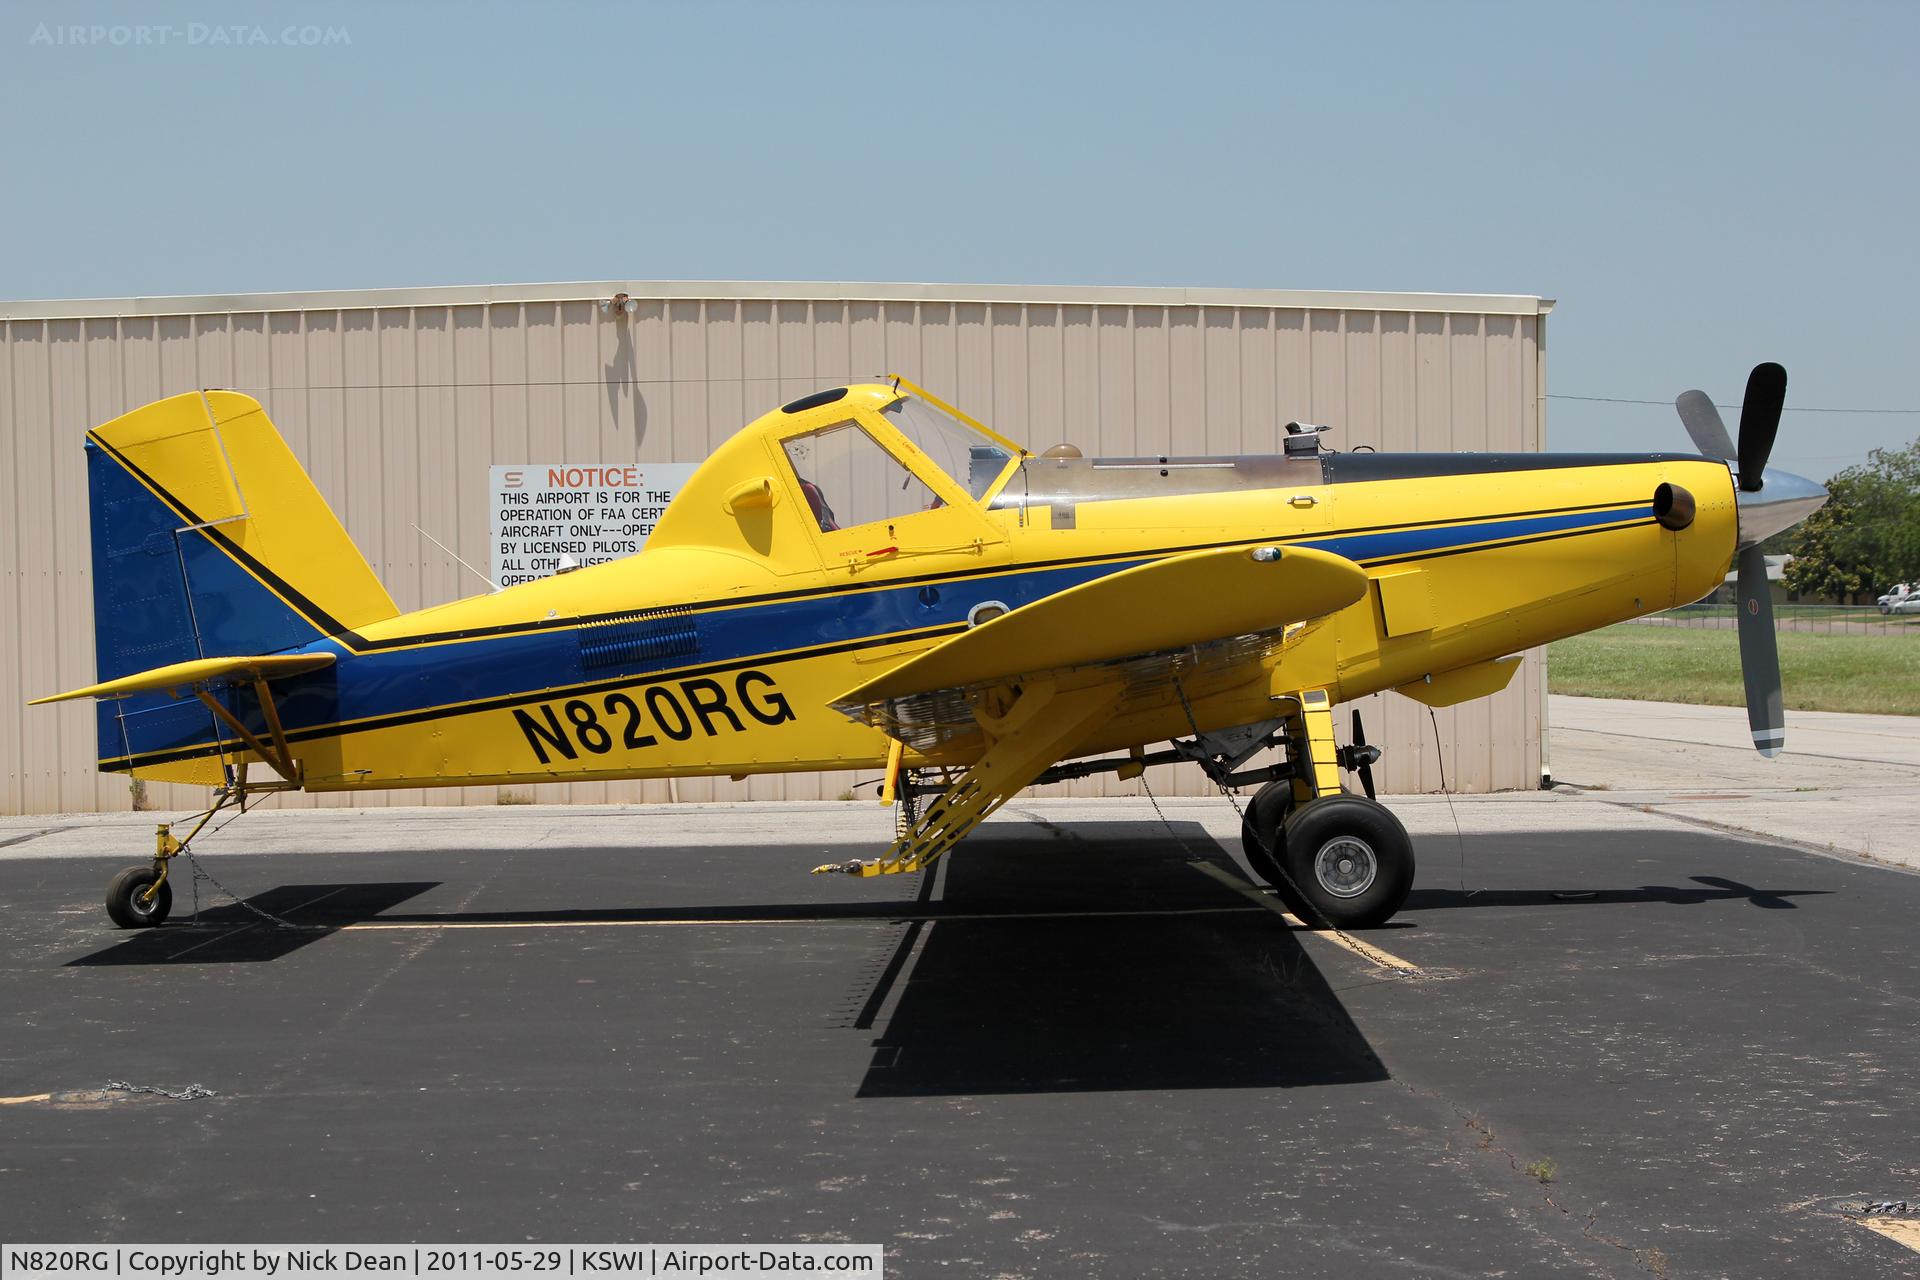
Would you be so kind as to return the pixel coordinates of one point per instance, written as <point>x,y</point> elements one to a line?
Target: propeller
<point>1759,517</point>
<point>1703,424</point>
<point>1760,422</point>
<point>1359,757</point>
<point>1760,654</point>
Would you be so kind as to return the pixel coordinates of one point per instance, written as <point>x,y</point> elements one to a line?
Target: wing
<point>1143,626</point>
<point>1036,682</point>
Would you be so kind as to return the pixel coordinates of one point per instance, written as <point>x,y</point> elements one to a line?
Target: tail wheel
<point>1350,859</point>
<point>129,903</point>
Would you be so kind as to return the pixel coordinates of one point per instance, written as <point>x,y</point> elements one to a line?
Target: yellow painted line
<point>1904,1231</point>
<point>1365,950</point>
<point>706,922</point>
<point>25,1097</point>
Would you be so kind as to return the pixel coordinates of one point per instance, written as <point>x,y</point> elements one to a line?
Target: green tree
<point>1826,560</point>
<point>1887,514</point>
<point>1867,537</point>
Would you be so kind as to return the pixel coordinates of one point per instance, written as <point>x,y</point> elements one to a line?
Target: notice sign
<point>544,513</point>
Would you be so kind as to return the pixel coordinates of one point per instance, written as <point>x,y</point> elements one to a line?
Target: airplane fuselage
<point>694,658</point>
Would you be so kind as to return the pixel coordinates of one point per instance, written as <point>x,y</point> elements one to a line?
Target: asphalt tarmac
<point>1595,1043</point>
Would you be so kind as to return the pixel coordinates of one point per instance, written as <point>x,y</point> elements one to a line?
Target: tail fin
<point>208,541</point>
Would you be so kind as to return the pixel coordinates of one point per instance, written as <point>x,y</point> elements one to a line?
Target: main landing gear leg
<point>1337,860</point>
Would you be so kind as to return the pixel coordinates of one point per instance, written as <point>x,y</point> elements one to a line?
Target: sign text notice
<point>545,512</point>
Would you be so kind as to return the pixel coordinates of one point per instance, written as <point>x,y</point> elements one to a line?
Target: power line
<point>819,377</point>
<point>1792,408</point>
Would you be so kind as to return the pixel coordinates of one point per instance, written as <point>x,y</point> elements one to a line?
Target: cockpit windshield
<point>974,460</point>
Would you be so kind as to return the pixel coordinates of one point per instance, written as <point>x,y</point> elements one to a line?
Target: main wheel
<point>1263,832</point>
<point>1351,859</point>
<point>128,903</point>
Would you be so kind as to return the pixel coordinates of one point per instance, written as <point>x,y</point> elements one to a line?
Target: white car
<point>1901,594</point>
<point>1909,603</point>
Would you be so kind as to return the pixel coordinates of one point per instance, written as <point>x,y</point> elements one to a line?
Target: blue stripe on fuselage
<point>396,682</point>
<point>1393,544</point>
<point>369,686</point>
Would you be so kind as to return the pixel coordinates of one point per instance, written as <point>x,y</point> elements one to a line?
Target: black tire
<point>1263,832</point>
<point>127,905</point>
<point>1351,860</point>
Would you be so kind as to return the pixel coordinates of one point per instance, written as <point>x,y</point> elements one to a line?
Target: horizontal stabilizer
<point>199,673</point>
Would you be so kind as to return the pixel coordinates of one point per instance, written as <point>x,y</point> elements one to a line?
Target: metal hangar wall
<point>399,400</point>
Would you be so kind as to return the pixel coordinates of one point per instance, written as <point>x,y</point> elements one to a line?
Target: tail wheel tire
<point>1351,860</point>
<point>1263,832</point>
<point>130,906</point>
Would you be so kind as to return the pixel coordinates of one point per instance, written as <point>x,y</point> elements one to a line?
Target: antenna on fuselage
<point>457,560</point>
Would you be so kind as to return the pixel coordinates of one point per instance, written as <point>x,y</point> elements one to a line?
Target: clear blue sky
<point>1701,186</point>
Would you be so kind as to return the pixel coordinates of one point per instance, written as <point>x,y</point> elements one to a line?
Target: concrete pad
<point>267,830</point>
<point>1846,783</point>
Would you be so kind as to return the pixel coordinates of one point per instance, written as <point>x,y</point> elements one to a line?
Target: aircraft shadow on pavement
<point>229,933</point>
<point>1717,889</point>
<point>1223,996</point>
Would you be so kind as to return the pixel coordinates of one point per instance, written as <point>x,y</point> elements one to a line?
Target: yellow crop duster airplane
<point>867,577</point>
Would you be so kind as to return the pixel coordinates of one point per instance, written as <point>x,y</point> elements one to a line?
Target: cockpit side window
<point>848,479</point>
<point>974,460</point>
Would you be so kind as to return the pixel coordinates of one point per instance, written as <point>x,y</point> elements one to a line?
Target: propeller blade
<point>1760,655</point>
<point>1760,421</point>
<point>1703,424</point>
<point>1366,769</point>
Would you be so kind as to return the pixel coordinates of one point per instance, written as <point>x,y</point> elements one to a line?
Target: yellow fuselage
<point>719,648</point>
<point>1483,600</point>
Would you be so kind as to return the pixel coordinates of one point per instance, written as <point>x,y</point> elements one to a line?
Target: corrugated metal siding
<point>398,411</point>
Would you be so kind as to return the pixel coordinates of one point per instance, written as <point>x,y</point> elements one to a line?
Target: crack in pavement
<point>1651,1260</point>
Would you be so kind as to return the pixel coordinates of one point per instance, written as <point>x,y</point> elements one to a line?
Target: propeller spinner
<point>1769,501</point>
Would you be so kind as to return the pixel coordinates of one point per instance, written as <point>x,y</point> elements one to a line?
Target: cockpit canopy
<point>851,476</point>
<point>972,458</point>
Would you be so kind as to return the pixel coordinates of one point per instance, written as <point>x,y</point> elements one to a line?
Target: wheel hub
<point>1346,866</point>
